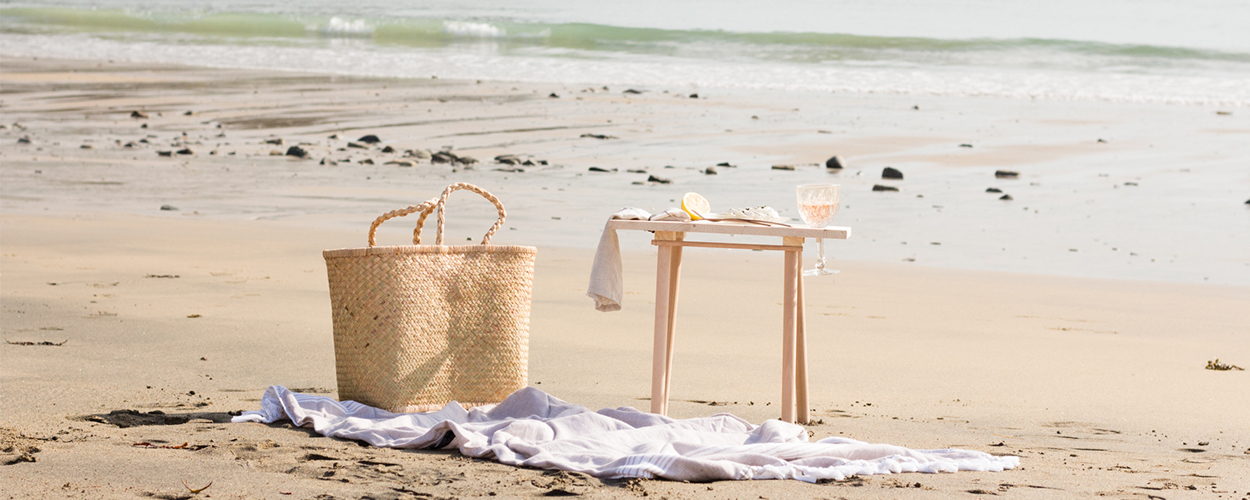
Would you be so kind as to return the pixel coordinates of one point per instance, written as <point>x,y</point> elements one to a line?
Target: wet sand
<point>1097,384</point>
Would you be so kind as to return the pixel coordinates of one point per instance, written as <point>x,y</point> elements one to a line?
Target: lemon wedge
<point>695,204</point>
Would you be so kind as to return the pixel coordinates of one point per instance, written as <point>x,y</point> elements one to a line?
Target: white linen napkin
<point>607,286</point>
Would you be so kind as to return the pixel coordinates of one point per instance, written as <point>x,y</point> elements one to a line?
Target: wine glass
<point>818,203</point>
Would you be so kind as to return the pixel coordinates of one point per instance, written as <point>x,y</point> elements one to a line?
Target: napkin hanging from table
<point>607,285</point>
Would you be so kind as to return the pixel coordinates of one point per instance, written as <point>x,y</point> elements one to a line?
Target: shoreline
<point>1154,201</point>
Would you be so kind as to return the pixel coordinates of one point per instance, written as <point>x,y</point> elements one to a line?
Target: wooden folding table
<point>670,237</point>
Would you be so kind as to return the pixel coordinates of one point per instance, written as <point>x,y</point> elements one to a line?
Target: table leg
<point>789,307</point>
<point>660,347</point>
<point>800,355</point>
<point>673,276</point>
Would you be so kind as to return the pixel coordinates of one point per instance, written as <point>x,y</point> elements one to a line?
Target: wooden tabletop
<point>829,232</point>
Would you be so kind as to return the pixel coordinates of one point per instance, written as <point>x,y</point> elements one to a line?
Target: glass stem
<point>820,253</point>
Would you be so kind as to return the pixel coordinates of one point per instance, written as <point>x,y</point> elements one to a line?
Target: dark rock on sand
<point>694,96</point>
<point>466,160</point>
<point>165,153</point>
<point>599,136</point>
<point>965,145</point>
<point>891,173</point>
<point>186,151</point>
<point>388,149</point>
<point>86,146</point>
<point>138,114</point>
<point>632,91</point>
<point>1006,174</point>
<point>168,208</point>
<point>1248,202</point>
<point>333,136</point>
<point>783,167</point>
<point>993,190</point>
<point>528,163</point>
<point>366,161</point>
<point>878,187</point>
<point>726,164</point>
<point>357,145</point>
<point>23,140</point>
<point>401,163</point>
<point>599,169</point>
<point>297,152</point>
<point>511,170</point>
<point>1006,197</point>
<point>369,139</point>
<point>443,157</point>
<point>636,171</point>
<point>508,159</point>
<point>658,180</point>
<point>189,113</point>
<point>554,96</point>
<point>328,161</point>
<point>130,144</point>
<point>710,171</point>
<point>833,163</point>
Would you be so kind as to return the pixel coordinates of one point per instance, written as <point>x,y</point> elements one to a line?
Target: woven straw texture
<point>416,327</point>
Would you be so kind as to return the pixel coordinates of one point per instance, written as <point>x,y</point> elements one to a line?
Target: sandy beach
<point>1070,326</point>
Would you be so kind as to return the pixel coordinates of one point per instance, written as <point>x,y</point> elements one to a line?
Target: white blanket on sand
<point>534,429</point>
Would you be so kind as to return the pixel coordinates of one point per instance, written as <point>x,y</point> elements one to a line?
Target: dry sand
<point>1097,384</point>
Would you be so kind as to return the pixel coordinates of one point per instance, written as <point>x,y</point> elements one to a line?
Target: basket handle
<point>425,209</point>
<point>442,201</point>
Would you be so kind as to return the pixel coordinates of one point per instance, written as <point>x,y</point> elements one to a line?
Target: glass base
<point>820,272</point>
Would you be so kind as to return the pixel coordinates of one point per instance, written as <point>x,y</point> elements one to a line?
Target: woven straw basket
<point>418,326</point>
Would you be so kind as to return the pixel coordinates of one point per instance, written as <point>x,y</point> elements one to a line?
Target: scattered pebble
<point>694,96</point>
<point>169,208</point>
<point>632,91</point>
<point>1006,197</point>
<point>388,149</point>
<point>401,163</point>
<point>1006,174</point>
<point>658,180</point>
<point>600,169</point>
<point>297,152</point>
<point>138,114</point>
<point>276,142</point>
<point>165,153</point>
<point>965,145</point>
<point>993,190</point>
<point>330,162</point>
<point>891,173</point>
<point>23,140</point>
<point>598,136</point>
<point>186,151</point>
<point>783,167</point>
<point>357,145</point>
<point>554,96</point>
<point>1224,113</point>
<point>86,146</point>
<point>710,171</point>
<point>369,139</point>
<point>833,163</point>
<point>879,187</point>
<point>366,161</point>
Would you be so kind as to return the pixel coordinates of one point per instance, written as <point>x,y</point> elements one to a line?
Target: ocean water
<point>1194,53</point>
